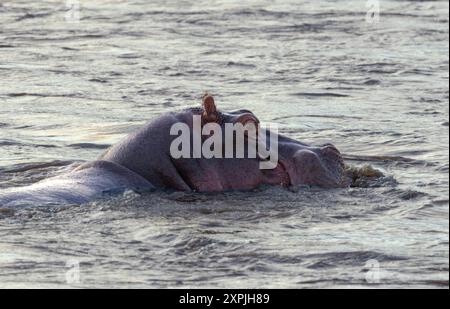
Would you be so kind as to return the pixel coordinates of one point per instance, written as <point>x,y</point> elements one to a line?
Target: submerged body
<point>143,161</point>
<point>88,182</point>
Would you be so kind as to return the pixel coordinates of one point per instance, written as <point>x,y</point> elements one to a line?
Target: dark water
<point>379,91</point>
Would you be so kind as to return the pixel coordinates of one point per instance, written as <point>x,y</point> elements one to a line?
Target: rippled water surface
<point>379,91</point>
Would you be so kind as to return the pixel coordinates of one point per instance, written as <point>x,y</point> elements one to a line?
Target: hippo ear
<point>209,109</point>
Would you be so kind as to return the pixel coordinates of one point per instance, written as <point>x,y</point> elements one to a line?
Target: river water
<point>375,87</point>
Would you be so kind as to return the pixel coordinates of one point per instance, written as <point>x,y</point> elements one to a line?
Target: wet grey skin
<point>142,161</point>
<point>146,152</point>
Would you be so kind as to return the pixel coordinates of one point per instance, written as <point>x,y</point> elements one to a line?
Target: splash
<point>366,176</point>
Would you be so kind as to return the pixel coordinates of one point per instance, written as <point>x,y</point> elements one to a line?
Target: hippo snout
<point>321,166</point>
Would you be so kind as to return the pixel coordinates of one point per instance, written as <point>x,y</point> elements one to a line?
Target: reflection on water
<point>378,91</point>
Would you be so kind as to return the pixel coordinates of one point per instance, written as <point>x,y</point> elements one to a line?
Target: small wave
<point>318,116</point>
<point>25,94</point>
<point>195,244</point>
<point>425,113</point>
<point>378,68</point>
<point>88,146</point>
<point>50,95</point>
<point>17,143</point>
<point>398,159</point>
<point>69,48</point>
<point>32,16</point>
<point>20,168</point>
<point>376,64</point>
<point>240,64</point>
<point>441,202</point>
<point>372,82</point>
<point>260,12</point>
<point>320,94</point>
<point>437,283</point>
<point>184,197</point>
<point>411,195</point>
<point>10,143</point>
<point>129,56</point>
<point>98,80</point>
<point>355,258</point>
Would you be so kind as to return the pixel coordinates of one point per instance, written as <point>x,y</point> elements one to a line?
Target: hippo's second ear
<point>209,109</point>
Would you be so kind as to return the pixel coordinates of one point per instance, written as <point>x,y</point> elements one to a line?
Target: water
<point>379,91</point>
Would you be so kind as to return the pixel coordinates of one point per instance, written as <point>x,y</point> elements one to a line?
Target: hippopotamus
<point>143,161</point>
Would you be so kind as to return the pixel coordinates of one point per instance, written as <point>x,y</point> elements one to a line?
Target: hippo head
<point>157,152</point>
<point>292,162</point>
